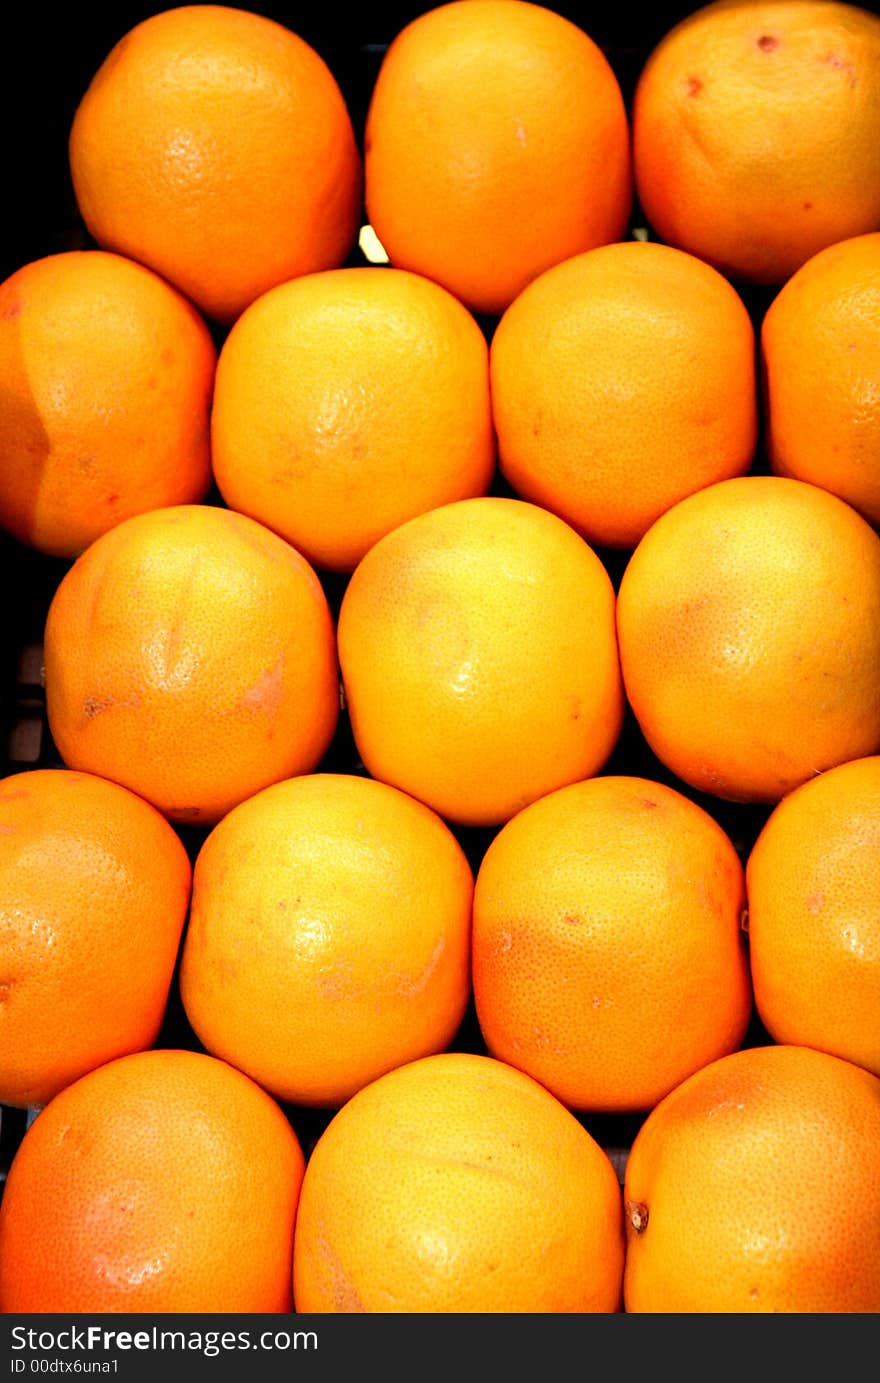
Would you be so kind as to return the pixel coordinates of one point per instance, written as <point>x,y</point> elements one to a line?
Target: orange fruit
<point>329,937</point>
<point>622,380</point>
<point>496,144</point>
<point>190,655</point>
<point>479,658</point>
<point>457,1184</point>
<point>753,1187</point>
<point>106,375</point>
<point>814,914</point>
<point>756,133</point>
<point>94,889</point>
<point>215,145</point>
<point>347,402</point>
<point>749,628</point>
<point>608,956</point>
<point>820,353</point>
<point>165,1181</point>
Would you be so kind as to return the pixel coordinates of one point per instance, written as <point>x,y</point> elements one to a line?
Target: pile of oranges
<point>451,880</point>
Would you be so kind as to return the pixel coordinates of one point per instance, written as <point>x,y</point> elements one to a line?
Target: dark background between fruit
<point>49,62</point>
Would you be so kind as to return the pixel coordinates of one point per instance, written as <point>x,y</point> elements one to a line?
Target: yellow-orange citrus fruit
<point>106,375</point>
<point>347,402</point>
<point>496,144</point>
<point>608,955</point>
<point>756,133</point>
<point>214,145</point>
<point>814,914</point>
<point>456,1183</point>
<point>820,354</point>
<point>164,1181</point>
<point>754,1187</point>
<point>622,380</point>
<point>329,937</point>
<point>479,658</point>
<point>749,628</point>
<point>190,655</point>
<point>94,889</point>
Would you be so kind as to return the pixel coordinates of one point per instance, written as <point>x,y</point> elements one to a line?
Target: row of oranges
<point>637,358</point>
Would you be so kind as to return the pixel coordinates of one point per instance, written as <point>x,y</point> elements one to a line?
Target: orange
<point>479,658</point>
<point>749,627</point>
<point>165,1181</point>
<point>94,889</point>
<point>106,376</point>
<point>623,380</point>
<point>608,956</point>
<point>329,938</point>
<point>754,1187</point>
<point>496,144</point>
<point>190,655</point>
<point>457,1184</point>
<point>347,402</point>
<point>814,914</point>
<point>214,145</point>
<point>820,351</point>
<point>756,133</point>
